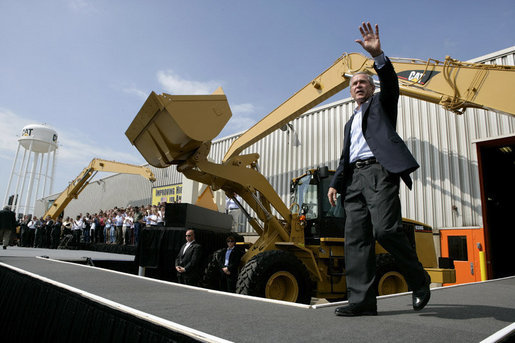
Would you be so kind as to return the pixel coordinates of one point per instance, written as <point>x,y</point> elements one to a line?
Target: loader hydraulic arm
<point>81,181</point>
<point>453,84</point>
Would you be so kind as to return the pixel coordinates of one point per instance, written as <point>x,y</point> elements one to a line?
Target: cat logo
<point>417,76</point>
<point>26,132</point>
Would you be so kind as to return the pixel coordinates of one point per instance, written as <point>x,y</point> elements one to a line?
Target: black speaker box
<point>194,217</point>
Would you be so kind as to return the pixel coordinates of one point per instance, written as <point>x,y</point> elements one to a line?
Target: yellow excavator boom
<point>453,84</point>
<point>76,186</point>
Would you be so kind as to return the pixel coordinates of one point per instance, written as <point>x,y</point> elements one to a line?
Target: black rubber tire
<point>386,267</point>
<point>255,275</point>
<point>211,278</point>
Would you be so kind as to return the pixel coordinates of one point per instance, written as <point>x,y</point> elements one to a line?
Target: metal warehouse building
<point>450,190</point>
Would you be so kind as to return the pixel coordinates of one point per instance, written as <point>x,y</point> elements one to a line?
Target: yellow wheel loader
<point>300,250</point>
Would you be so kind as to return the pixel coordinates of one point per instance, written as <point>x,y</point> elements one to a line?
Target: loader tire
<point>275,274</point>
<point>211,278</point>
<point>388,280</point>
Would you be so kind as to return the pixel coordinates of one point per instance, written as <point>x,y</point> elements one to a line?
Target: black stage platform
<point>152,310</point>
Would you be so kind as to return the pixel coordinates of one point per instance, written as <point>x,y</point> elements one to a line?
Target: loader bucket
<point>169,128</point>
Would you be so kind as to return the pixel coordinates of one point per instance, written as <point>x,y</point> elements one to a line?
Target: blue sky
<point>86,67</point>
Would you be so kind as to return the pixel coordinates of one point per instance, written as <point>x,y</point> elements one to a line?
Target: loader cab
<point>309,192</point>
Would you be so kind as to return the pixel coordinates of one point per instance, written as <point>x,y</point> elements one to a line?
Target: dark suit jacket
<point>234,260</point>
<point>379,122</point>
<point>7,220</point>
<point>191,260</point>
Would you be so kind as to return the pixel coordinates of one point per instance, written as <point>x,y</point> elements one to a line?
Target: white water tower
<point>39,143</point>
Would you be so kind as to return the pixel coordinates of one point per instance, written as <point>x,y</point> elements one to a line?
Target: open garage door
<point>496,160</point>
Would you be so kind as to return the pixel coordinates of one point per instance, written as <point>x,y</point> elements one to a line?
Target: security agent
<point>229,260</point>
<point>7,225</point>
<point>188,261</point>
<point>373,160</point>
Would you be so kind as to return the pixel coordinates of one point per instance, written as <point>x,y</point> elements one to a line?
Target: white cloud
<point>10,130</point>
<point>243,117</point>
<point>131,89</point>
<point>75,152</point>
<point>243,109</point>
<point>78,149</point>
<point>176,85</point>
<point>81,6</point>
<point>449,43</point>
<point>239,123</point>
<point>74,146</point>
<point>135,91</point>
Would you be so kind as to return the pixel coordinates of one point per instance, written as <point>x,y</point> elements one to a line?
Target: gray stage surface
<point>467,313</point>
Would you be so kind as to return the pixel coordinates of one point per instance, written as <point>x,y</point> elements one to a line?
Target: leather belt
<point>363,163</point>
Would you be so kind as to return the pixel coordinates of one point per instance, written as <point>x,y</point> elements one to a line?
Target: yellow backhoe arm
<point>458,85</point>
<point>81,181</point>
<point>453,84</point>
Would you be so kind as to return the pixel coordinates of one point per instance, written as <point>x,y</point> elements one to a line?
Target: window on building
<point>458,248</point>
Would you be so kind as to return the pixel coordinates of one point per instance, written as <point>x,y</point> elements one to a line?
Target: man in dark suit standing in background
<point>7,225</point>
<point>188,261</point>
<point>229,261</point>
<point>373,160</point>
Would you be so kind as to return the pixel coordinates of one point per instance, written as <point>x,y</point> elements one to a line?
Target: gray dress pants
<point>373,210</point>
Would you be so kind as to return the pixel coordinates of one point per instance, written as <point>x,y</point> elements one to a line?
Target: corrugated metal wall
<point>446,187</point>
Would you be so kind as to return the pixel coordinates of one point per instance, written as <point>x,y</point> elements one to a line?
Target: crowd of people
<point>114,226</point>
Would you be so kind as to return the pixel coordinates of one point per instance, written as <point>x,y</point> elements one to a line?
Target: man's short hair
<point>369,77</point>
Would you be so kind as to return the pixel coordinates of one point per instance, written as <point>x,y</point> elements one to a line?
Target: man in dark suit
<point>7,225</point>
<point>373,160</point>
<point>229,260</point>
<point>188,261</point>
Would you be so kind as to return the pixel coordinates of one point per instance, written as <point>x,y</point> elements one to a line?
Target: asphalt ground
<point>466,313</point>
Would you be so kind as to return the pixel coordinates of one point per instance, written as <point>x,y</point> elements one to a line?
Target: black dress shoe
<point>421,296</point>
<point>354,310</point>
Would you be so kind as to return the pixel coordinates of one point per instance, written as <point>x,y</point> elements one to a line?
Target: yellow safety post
<point>482,264</point>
